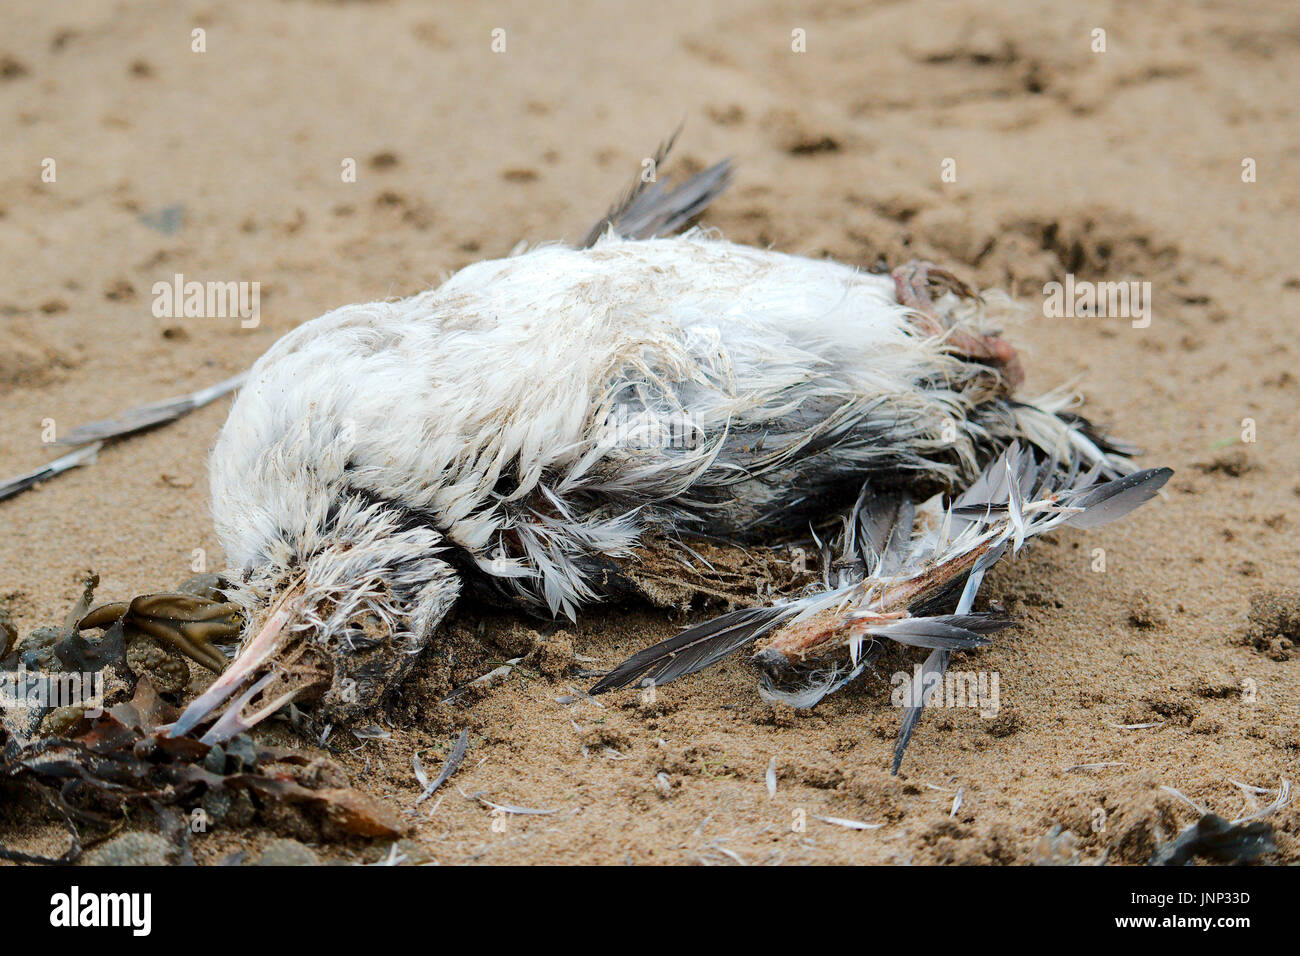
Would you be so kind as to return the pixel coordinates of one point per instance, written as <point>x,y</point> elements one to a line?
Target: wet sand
<point>1124,165</point>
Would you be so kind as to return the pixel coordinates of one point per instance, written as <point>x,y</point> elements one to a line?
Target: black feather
<point>935,664</point>
<point>694,648</point>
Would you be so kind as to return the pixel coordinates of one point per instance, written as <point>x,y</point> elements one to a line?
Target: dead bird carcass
<point>503,434</point>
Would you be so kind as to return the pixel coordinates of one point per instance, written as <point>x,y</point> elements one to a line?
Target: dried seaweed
<point>188,622</point>
<point>56,672</point>
<point>122,758</point>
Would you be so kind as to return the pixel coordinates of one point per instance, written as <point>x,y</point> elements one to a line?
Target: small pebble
<point>285,852</point>
<point>132,849</point>
<point>8,633</point>
<point>206,585</point>
<point>216,805</point>
<point>166,667</point>
<point>215,761</point>
<point>241,753</point>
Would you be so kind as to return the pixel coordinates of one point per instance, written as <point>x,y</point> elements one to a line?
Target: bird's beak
<point>255,655</point>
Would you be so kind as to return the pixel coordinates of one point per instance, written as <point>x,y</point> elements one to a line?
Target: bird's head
<point>336,613</point>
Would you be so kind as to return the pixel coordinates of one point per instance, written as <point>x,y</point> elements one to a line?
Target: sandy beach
<point>997,140</point>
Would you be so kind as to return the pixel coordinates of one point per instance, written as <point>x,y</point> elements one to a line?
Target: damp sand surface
<point>1124,165</point>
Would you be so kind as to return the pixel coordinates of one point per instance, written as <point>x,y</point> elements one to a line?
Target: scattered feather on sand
<point>151,415</point>
<point>20,483</point>
<point>1175,792</point>
<point>505,807</point>
<point>448,768</point>
<point>849,824</point>
<point>1211,837</point>
<point>488,679</point>
<point>1214,838</point>
<point>1103,765</point>
<point>1283,798</point>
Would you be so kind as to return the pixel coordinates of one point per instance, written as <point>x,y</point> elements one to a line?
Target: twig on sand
<point>491,677</point>
<point>1095,766</point>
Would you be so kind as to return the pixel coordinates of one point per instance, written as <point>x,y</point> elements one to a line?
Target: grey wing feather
<point>148,416</point>
<point>931,672</point>
<point>659,213</point>
<point>20,483</point>
<point>931,632</point>
<point>647,210</point>
<point>694,648</point>
<point>894,545</point>
<point>93,434</point>
<point>1114,499</point>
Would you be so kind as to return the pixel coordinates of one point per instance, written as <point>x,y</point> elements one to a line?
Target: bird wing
<point>903,551</point>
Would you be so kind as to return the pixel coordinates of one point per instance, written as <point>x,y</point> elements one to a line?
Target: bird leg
<point>184,621</point>
<point>912,285</point>
<point>830,630</point>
